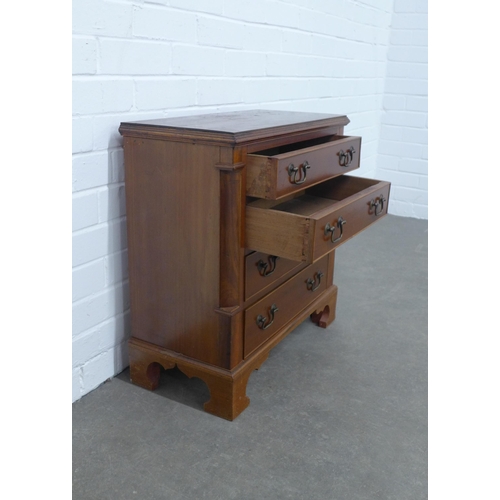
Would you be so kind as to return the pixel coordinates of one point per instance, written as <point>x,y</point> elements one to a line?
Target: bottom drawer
<point>271,313</point>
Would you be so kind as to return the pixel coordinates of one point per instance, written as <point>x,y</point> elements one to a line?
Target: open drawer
<point>309,224</point>
<point>277,172</point>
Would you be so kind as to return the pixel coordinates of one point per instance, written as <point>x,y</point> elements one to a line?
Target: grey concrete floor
<point>339,413</point>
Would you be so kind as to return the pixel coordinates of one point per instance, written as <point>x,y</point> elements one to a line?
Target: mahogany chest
<point>232,224</point>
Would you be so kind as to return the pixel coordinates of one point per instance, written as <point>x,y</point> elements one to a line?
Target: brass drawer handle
<point>345,159</point>
<point>331,229</point>
<point>310,282</point>
<point>293,170</point>
<point>262,266</point>
<point>265,323</point>
<point>379,202</point>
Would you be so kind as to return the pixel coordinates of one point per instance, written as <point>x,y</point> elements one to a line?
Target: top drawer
<point>283,170</point>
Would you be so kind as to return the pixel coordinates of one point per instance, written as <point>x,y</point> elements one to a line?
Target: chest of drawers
<point>232,224</point>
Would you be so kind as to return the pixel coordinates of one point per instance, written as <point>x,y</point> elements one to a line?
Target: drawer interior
<point>294,227</point>
<point>289,148</point>
<point>319,197</point>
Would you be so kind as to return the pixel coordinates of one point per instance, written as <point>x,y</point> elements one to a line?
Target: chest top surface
<point>233,127</point>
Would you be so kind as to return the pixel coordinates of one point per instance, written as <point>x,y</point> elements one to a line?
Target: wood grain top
<point>234,127</point>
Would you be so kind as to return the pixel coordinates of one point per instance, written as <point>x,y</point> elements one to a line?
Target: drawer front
<point>306,227</point>
<point>275,310</point>
<point>263,270</point>
<point>343,223</point>
<point>278,172</point>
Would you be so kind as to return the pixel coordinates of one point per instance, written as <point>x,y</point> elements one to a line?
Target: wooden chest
<point>232,224</point>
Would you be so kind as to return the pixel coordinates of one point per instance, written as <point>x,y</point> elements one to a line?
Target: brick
<point>92,311</point>
<point>328,6</point>
<point>387,162</point>
<point>202,61</point>
<point>135,57</point>
<point>84,56</point>
<point>152,23</point>
<point>250,12</point>
<point>401,37</point>
<point>84,210</point>
<point>327,46</point>
<point>420,211</point>
<point>90,170</point>
<point>394,102</point>
<point>405,118</point>
<point>410,6</point>
<point>105,132</point>
<point>401,178</point>
<point>97,371</point>
<point>76,389</point>
<point>261,90</point>
<point>242,63</point>
<point>420,37</point>
<point>88,279</point>
<point>261,38</point>
<point>410,195</point>
<point>399,149</point>
<point>101,17</point>
<point>105,128</point>
<point>104,337</point>
<point>415,135</point>
<point>409,21</point>
<point>405,5</point>
<point>371,103</point>
<point>219,91</point>
<point>401,208</point>
<point>213,7</point>
<point>391,133</point>
<point>368,16</point>
<point>297,65</point>
<point>111,202</point>
<point>296,42</point>
<point>399,69</point>
<point>406,86</point>
<point>165,94</point>
<point>320,87</point>
<point>220,33</point>
<point>117,167</point>
<point>98,241</point>
<point>116,267</point>
<point>414,165</point>
<point>95,96</point>
<point>407,54</point>
<point>103,367</point>
<point>82,134</point>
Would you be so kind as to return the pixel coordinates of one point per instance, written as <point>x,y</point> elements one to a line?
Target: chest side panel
<point>172,192</point>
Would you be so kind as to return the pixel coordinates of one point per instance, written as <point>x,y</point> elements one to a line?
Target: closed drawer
<point>276,309</point>
<point>277,172</point>
<point>263,270</point>
<point>317,220</point>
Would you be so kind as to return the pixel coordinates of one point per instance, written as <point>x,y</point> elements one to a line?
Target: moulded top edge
<point>233,127</point>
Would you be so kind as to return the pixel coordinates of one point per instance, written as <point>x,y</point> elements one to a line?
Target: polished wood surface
<point>304,217</point>
<point>196,237</point>
<point>316,160</point>
<point>290,299</point>
<point>233,127</point>
<point>173,244</point>
<point>263,271</point>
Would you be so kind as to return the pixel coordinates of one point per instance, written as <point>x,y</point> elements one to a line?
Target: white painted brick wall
<point>136,59</point>
<point>403,133</point>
